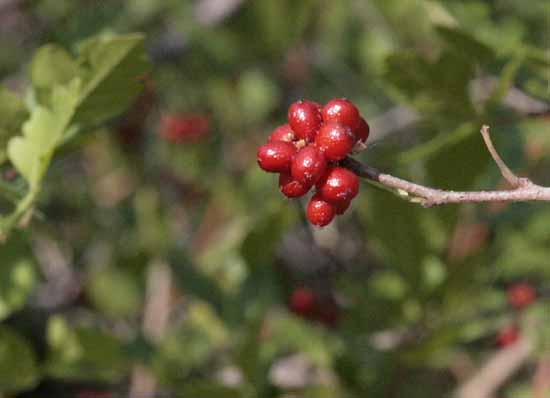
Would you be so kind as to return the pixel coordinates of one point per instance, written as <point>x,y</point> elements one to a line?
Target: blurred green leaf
<point>114,291</point>
<point>83,353</point>
<point>258,94</point>
<point>433,86</point>
<point>18,279</point>
<point>17,282</point>
<point>195,283</point>
<point>191,345</point>
<point>388,285</point>
<point>467,45</point>
<point>399,236</point>
<point>18,364</point>
<point>12,115</point>
<point>523,249</point>
<point>209,390</point>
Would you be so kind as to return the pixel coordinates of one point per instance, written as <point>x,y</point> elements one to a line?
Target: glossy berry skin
<point>308,165</point>
<point>340,110</point>
<point>508,336</point>
<point>319,211</point>
<point>521,295</point>
<point>362,132</point>
<point>338,185</point>
<point>335,140</point>
<point>340,208</point>
<point>302,301</point>
<point>292,188</point>
<point>283,133</point>
<point>304,119</point>
<point>276,156</point>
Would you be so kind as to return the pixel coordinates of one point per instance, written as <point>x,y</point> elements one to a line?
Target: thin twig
<point>508,174</point>
<point>524,190</point>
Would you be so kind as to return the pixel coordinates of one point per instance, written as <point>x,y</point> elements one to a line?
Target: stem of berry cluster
<point>523,189</point>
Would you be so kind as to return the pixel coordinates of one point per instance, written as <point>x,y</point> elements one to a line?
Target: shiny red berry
<point>305,119</point>
<point>276,156</point>
<point>521,295</point>
<point>302,301</point>
<point>319,211</point>
<point>341,207</point>
<point>340,110</point>
<point>508,336</point>
<point>283,133</point>
<point>292,188</point>
<point>338,185</point>
<point>308,165</point>
<point>335,140</point>
<point>362,132</point>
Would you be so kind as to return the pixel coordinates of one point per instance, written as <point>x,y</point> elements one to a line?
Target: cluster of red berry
<point>306,152</point>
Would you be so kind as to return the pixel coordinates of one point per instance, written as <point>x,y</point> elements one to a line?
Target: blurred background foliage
<point>164,261</point>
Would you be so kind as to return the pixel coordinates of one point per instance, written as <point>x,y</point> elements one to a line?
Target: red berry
<point>292,188</point>
<point>184,127</point>
<point>362,132</point>
<point>340,110</point>
<point>507,336</point>
<point>340,208</point>
<point>521,295</point>
<point>304,119</point>
<point>319,107</point>
<point>328,314</point>
<point>282,133</point>
<point>338,185</point>
<point>308,165</point>
<point>276,156</point>
<point>302,301</point>
<point>335,140</point>
<point>319,211</point>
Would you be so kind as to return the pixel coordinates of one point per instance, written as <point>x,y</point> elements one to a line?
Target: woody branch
<point>522,189</point>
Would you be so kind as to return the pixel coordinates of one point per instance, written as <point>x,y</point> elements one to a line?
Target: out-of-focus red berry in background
<point>183,128</point>
<point>508,336</point>
<point>302,301</point>
<point>520,295</point>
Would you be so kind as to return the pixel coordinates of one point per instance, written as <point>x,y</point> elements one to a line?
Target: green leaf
<point>439,88</point>
<point>109,77</point>
<point>52,66</point>
<point>83,353</point>
<point>114,69</point>
<point>190,345</point>
<point>18,280</point>
<point>399,238</point>
<point>31,152</point>
<point>467,45</point>
<point>506,80</point>
<point>18,367</point>
<point>12,115</point>
<point>114,292</point>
